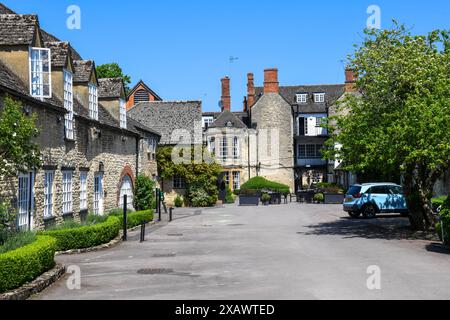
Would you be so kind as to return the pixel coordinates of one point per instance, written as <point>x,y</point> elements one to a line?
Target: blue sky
<point>181,49</point>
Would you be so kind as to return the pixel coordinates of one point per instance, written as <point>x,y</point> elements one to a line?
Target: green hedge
<point>86,236</point>
<point>135,218</point>
<point>23,265</point>
<point>260,184</point>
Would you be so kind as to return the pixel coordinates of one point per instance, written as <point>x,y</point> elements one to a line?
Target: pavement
<point>293,251</point>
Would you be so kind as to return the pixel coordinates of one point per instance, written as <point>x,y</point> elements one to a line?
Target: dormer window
<point>319,97</point>
<point>93,101</point>
<point>40,73</point>
<point>68,104</point>
<point>123,114</point>
<point>302,97</point>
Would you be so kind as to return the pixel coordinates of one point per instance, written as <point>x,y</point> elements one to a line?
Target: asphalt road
<point>294,251</point>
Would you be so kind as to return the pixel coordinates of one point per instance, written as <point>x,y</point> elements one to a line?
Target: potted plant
<point>265,198</point>
<point>249,197</point>
<point>333,194</point>
<point>319,198</point>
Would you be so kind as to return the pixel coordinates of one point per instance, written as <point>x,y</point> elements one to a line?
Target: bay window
<point>93,101</point>
<point>68,104</point>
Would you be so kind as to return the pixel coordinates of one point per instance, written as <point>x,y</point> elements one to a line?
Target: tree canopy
<point>18,149</point>
<point>113,70</point>
<point>399,122</point>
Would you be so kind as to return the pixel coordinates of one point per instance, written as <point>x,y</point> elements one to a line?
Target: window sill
<point>49,219</point>
<point>67,215</point>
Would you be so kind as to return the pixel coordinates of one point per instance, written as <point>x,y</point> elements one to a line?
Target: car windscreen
<point>354,190</point>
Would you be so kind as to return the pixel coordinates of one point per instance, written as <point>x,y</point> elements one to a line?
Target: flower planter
<point>334,198</point>
<point>246,200</point>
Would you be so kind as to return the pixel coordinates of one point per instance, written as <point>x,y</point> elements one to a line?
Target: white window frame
<point>93,101</point>
<point>123,114</point>
<point>302,98</point>
<point>226,177</point>
<point>49,178</point>
<point>68,104</point>
<point>236,145</point>
<point>319,97</point>
<point>126,188</point>
<point>98,194</point>
<point>83,190</point>
<point>212,145</point>
<point>223,147</point>
<point>207,120</point>
<point>67,191</point>
<point>36,71</point>
<point>236,180</point>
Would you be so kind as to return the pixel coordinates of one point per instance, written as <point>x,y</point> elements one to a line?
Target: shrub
<point>262,184</point>
<point>85,236</point>
<point>7,220</point>
<point>437,202</point>
<point>17,241</point>
<point>319,197</point>
<point>265,198</point>
<point>178,202</point>
<point>135,218</point>
<point>144,195</point>
<point>326,187</point>
<point>200,198</point>
<point>250,192</point>
<point>445,217</point>
<point>446,203</point>
<point>236,192</point>
<point>23,265</point>
<point>229,196</point>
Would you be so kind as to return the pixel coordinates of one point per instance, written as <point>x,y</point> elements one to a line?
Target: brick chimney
<point>226,97</point>
<point>250,90</point>
<point>271,81</point>
<point>350,80</point>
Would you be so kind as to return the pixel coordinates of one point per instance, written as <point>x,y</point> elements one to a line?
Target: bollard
<point>142,232</point>
<point>124,238</point>
<point>158,204</point>
<point>170,214</point>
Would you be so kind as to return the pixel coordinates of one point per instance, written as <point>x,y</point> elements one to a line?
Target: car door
<point>378,195</point>
<point>398,200</point>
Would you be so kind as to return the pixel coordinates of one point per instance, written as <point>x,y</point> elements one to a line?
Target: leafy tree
<point>113,70</point>
<point>145,188</point>
<point>201,178</point>
<point>18,150</point>
<point>400,120</point>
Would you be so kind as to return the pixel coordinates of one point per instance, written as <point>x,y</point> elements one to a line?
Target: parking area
<point>289,251</point>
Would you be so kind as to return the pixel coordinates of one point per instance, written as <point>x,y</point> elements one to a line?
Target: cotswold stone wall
<point>116,151</point>
<point>273,115</point>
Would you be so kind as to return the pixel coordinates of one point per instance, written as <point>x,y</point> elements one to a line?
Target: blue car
<point>369,199</point>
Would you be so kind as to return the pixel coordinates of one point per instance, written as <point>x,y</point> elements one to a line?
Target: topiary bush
<point>262,184</point>
<point>135,218</point>
<point>85,236</point>
<point>265,198</point>
<point>144,193</point>
<point>229,196</point>
<point>23,265</point>
<point>319,197</point>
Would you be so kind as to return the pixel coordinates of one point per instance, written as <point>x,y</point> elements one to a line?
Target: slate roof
<point>59,51</point>
<point>110,87</point>
<point>167,116</point>
<point>5,10</point>
<point>242,116</point>
<point>83,69</point>
<point>225,118</point>
<point>332,93</point>
<point>140,127</point>
<point>18,29</point>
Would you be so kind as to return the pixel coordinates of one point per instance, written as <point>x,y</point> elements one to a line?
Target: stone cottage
<point>91,150</point>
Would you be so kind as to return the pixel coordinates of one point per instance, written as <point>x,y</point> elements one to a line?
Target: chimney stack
<point>271,84</point>
<point>250,90</point>
<point>350,80</point>
<point>226,97</point>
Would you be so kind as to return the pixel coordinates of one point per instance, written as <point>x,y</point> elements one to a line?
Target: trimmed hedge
<point>135,218</point>
<point>86,236</point>
<point>25,264</point>
<point>262,184</point>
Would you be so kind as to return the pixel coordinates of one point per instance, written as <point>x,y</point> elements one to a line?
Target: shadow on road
<point>387,227</point>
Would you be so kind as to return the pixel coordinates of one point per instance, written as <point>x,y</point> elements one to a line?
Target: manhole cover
<point>175,234</point>
<point>198,212</point>
<point>164,255</point>
<point>155,271</point>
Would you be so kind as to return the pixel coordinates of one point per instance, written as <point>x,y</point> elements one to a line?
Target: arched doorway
<point>126,188</point>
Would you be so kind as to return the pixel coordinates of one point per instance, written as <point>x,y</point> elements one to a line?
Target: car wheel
<point>369,211</point>
<point>354,215</point>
